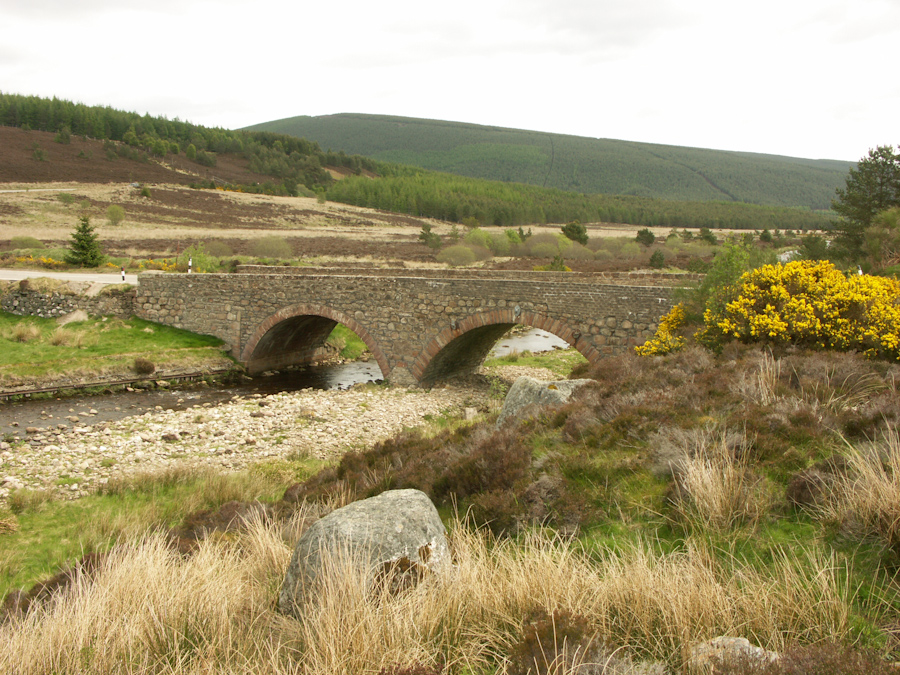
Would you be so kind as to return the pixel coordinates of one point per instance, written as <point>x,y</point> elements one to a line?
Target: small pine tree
<point>85,248</point>
<point>558,265</point>
<point>576,232</point>
<point>64,136</point>
<point>429,238</point>
<point>645,237</point>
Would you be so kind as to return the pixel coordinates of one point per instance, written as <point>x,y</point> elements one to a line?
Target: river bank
<point>74,453</point>
<point>74,457</point>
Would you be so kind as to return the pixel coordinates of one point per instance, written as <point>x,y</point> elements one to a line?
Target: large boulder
<point>397,536</point>
<point>527,391</point>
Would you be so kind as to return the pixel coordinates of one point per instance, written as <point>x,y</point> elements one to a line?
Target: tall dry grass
<point>23,332</point>
<point>153,611</point>
<point>718,488</point>
<point>869,492</point>
<point>63,337</point>
<point>759,385</point>
<point>715,486</point>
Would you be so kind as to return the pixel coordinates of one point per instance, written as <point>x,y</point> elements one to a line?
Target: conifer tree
<point>85,248</point>
<point>872,187</point>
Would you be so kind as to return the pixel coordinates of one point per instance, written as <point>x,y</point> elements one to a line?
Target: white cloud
<point>805,78</point>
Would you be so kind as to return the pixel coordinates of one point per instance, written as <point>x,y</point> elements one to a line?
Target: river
<point>44,413</point>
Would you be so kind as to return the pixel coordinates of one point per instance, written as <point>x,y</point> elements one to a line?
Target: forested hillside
<point>585,165</point>
<point>292,161</point>
<point>282,164</point>
<point>483,202</point>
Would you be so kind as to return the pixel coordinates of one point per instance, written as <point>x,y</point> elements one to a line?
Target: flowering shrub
<point>164,265</point>
<point>810,303</point>
<point>665,339</point>
<point>42,261</point>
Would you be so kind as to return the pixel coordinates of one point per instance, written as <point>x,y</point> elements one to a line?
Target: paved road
<point>91,277</point>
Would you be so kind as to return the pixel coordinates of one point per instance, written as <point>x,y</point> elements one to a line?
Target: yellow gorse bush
<point>42,261</point>
<point>814,304</point>
<point>665,339</point>
<point>164,265</point>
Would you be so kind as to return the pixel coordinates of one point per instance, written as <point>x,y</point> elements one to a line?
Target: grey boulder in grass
<point>397,537</point>
<point>527,391</point>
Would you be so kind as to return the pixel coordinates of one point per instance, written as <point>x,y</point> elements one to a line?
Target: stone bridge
<point>420,325</point>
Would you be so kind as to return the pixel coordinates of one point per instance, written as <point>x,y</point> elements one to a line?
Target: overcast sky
<point>804,78</point>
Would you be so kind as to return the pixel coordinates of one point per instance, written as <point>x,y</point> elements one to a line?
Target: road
<point>90,277</point>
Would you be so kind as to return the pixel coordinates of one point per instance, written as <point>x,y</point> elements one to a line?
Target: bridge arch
<point>293,334</point>
<point>463,345</point>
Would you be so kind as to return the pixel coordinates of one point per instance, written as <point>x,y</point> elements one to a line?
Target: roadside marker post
<point>190,263</point>
<point>123,273</point>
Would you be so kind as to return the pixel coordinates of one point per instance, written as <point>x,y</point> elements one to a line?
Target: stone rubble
<point>72,459</point>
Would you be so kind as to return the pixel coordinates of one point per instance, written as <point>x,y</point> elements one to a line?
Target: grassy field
<point>40,351</point>
<point>560,362</point>
<point>680,498</point>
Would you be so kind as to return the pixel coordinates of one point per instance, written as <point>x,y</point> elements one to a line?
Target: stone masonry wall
<point>406,321</point>
<point>26,302</point>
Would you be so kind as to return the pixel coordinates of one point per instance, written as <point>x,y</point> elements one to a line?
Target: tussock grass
<point>54,532</point>
<point>150,610</point>
<point>717,489</point>
<point>77,339</point>
<point>760,385</point>
<point>25,499</point>
<point>24,332</point>
<point>868,494</point>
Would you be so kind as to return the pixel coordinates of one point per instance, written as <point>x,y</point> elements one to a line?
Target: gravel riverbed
<point>75,456</point>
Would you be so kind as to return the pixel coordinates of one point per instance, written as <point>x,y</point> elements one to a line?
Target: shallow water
<point>533,340</point>
<point>43,413</point>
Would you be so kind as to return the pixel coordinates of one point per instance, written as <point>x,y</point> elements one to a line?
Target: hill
<point>572,163</point>
<point>30,156</point>
<point>60,140</point>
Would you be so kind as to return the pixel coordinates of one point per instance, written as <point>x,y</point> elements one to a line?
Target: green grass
<point>51,533</point>
<point>560,361</point>
<point>31,347</point>
<point>351,347</point>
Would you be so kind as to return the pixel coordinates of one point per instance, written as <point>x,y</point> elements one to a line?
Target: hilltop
<point>573,163</point>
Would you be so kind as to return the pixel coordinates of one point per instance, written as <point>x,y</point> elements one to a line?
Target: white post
<point>123,273</point>
<point>190,263</point>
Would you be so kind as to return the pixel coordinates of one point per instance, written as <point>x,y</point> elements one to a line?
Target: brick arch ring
<point>559,328</point>
<point>316,310</point>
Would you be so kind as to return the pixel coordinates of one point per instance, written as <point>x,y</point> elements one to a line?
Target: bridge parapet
<point>636,278</point>
<point>420,325</point>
